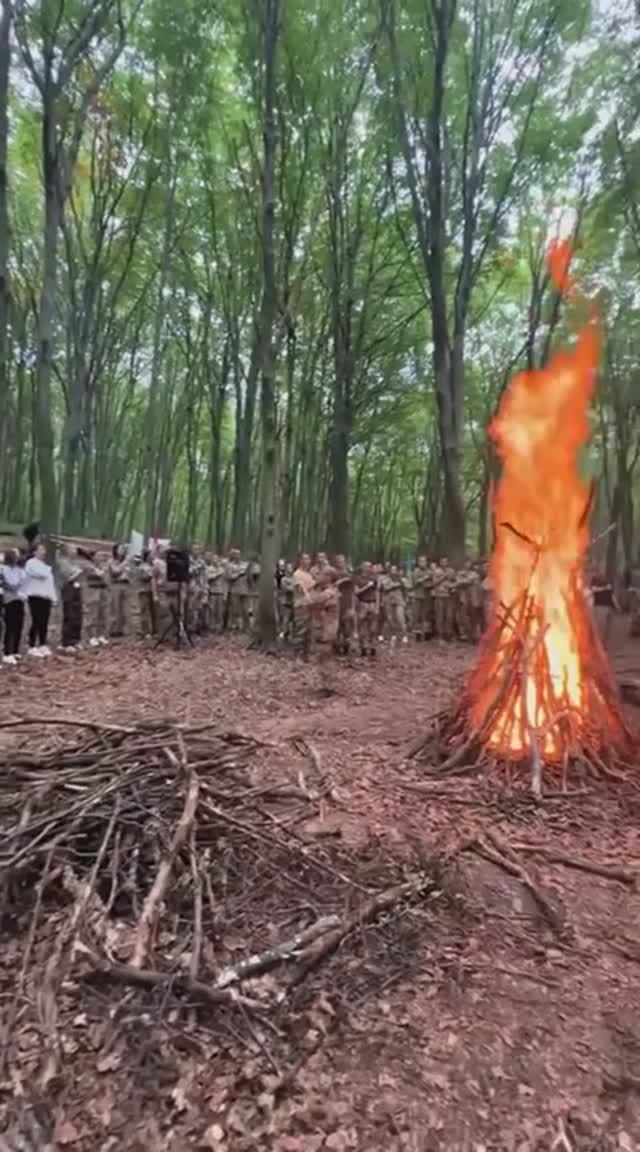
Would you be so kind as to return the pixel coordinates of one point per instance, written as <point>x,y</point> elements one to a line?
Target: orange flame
<point>542,620</point>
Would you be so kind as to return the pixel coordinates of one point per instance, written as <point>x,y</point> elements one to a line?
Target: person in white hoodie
<point>40,590</point>
<point>12,580</point>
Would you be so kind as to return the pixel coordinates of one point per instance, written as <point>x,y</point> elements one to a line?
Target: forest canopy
<point>275,261</point>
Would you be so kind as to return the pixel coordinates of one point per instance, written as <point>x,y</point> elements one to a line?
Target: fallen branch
<point>177,981</point>
<point>288,950</point>
<point>310,750</point>
<point>196,945</point>
<point>367,912</point>
<point>607,871</point>
<point>151,907</point>
<point>514,973</point>
<point>61,721</point>
<point>502,856</point>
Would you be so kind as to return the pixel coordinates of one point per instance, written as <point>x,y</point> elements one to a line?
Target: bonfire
<point>542,692</point>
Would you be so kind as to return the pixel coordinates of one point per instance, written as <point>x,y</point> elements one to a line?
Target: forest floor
<point>464,1020</point>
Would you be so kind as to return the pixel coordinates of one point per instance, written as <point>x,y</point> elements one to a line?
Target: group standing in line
<point>321,605</point>
<point>101,594</point>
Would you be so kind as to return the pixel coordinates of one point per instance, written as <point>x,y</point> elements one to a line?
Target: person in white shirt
<point>12,580</point>
<point>40,591</point>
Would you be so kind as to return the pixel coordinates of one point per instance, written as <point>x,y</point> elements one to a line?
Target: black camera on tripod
<point>178,566</point>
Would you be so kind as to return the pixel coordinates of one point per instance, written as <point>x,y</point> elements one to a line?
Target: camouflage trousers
<point>301,629</point>
<point>476,619</point>
<point>325,656</point>
<point>324,634</point>
<point>285,618</point>
<point>422,615</point>
<point>396,620</point>
<point>96,603</point>
<point>119,609</point>
<point>198,611</point>
<point>347,630</point>
<point>368,623</point>
<point>238,612</point>
<point>445,614</point>
<point>216,611</point>
<point>462,610</point>
<point>147,610</point>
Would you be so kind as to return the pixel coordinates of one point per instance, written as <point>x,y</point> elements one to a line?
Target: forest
<point>267,266</point>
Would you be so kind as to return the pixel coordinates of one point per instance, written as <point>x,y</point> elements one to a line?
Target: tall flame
<point>541,616</point>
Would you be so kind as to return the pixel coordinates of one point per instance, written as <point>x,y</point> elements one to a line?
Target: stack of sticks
<point>164,856</point>
<point>591,742</point>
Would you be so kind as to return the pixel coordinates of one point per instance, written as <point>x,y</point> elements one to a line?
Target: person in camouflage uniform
<point>285,603</point>
<point>236,576</point>
<point>476,607</point>
<point>421,599</point>
<point>145,587</point>
<point>466,580</point>
<point>119,582</point>
<point>394,600</point>
<point>324,614</point>
<point>444,579</point>
<point>165,594</point>
<point>380,571</point>
<point>486,584</point>
<point>320,563</point>
<point>216,593</point>
<point>198,595</point>
<point>97,598</point>
<point>68,572</point>
<point>347,629</point>
<point>303,584</point>
<point>253,586</point>
<point>367,593</point>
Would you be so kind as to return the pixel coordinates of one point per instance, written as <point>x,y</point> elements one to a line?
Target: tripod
<point>177,626</point>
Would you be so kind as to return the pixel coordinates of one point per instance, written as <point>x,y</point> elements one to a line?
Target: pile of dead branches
<point>157,857</point>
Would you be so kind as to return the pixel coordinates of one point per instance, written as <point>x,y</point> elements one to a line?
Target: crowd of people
<point>106,595</point>
<point>321,604</point>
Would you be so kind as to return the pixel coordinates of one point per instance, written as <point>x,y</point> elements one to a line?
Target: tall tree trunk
<point>151,438</point>
<point>268,410</point>
<point>288,476</point>
<point>5,65</point>
<point>339,477</point>
<point>245,412</point>
<point>16,490</point>
<point>53,208</point>
<point>611,562</point>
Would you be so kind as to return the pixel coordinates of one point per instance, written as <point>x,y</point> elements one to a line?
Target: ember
<point>542,689</point>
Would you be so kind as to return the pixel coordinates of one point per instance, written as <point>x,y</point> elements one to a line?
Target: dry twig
<point>151,908</point>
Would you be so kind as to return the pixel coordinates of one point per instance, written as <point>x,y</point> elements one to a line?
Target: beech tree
<point>260,313</point>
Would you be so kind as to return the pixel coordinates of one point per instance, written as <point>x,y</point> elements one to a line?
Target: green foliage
<point>171,155</point>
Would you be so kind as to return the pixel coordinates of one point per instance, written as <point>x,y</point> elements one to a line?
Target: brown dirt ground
<point>499,1037</point>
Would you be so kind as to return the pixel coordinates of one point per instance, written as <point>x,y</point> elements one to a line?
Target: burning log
<point>542,692</point>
